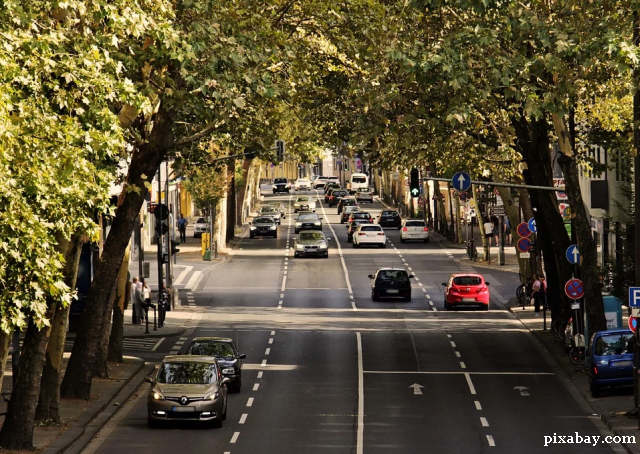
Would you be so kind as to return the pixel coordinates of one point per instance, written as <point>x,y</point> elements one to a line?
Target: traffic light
<point>414,183</point>
<point>280,150</point>
<point>161,227</point>
<point>174,247</point>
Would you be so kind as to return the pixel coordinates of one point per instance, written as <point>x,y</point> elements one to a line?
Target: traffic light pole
<point>168,237</point>
<point>159,235</point>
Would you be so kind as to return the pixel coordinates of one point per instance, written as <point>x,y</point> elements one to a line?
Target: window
<point>415,224</point>
<point>371,228</point>
<point>217,349</point>
<point>193,373</point>
<point>614,344</point>
<point>467,280</point>
<point>358,179</point>
<point>263,220</point>
<point>306,236</point>
<point>393,275</point>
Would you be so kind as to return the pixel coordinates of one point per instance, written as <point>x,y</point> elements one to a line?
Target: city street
<point>328,370</point>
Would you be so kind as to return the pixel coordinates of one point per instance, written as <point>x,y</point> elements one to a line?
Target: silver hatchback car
<point>187,388</point>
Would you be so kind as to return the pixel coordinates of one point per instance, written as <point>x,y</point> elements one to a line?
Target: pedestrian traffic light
<point>280,150</point>
<point>414,183</point>
<point>174,247</point>
<point>161,227</point>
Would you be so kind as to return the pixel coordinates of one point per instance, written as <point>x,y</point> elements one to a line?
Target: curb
<point>569,383</point>
<point>78,436</point>
<point>156,336</point>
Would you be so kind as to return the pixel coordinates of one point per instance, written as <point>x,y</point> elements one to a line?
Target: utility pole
<point>159,235</point>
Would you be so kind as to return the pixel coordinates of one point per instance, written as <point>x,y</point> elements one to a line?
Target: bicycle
<point>472,252</point>
<point>558,327</point>
<point>578,351</point>
<point>523,296</point>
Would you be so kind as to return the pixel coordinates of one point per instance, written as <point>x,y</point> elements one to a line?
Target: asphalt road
<point>330,371</point>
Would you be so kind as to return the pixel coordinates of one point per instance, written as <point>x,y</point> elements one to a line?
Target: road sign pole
<point>501,257</point>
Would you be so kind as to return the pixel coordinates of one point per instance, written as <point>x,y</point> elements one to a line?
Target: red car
<point>466,290</point>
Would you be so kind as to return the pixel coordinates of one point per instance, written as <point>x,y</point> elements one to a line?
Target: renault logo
<point>184,400</point>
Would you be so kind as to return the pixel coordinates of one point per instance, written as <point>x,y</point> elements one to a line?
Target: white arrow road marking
<point>522,389</point>
<point>416,389</point>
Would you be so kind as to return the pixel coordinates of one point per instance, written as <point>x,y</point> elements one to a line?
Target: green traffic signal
<point>415,192</point>
<point>414,182</point>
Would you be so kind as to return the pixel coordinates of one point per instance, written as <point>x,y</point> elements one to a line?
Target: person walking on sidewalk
<point>182,228</point>
<point>507,230</point>
<point>136,299</point>
<point>488,230</point>
<point>536,294</point>
<point>146,291</point>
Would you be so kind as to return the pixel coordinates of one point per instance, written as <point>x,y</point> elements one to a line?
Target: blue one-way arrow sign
<point>573,255</point>
<point>634,296</point>
<point>461,181</point>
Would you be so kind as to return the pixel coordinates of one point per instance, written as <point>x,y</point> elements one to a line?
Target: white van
<point>358,181</point>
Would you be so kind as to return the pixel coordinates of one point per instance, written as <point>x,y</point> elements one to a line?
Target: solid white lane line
<point>264,363</point>
<point>478,406</point>
<point>235,437</point>
<point>260,374</point>
<point>449,372</point>
<point>360,433</point>
<point>484,422</point>
<point>490,440</point>
<point>453,344</point>
<point>271,341</point>
<point>463,365</point>
<point>267,351</point>
<point>470,383</point>
<point>183,275</point>
<point>243,418</point>
<point>249,401</point>
<point>155,347</point>
<point>256,386</point>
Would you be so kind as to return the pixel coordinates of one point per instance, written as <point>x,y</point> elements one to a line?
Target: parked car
<point>302,184</point>
<point>187,388</point>
<point>369,234</point>
<point>225,351</point>
<point>308,222</point>
<point>346,213</point>
<point>280,207</point>
<point>281,185</point>
<point>304,203</point>
<point>364,195</point>
<point>391,283</point>
<point>263,225</point>
<point>201,226</point>
<point>311,243</point>
<point>414,229</point>
<point>466,290</point>
<point>346,202</point>
<point>336,195</point>
<point>390,218</point>
<point>610,360</point>
<point>352,226</point>
<point>268,210</point>
<point>361,215</point>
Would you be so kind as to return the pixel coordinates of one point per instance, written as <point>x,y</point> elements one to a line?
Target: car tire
<point>374,297</point>
<point>275,236</point>
<point>349,240</point>
<point>251,235</point>
<point>217,423</point>
<point>355,245</point>
<point>595,390</point>
<point>408,299</point>
<point>402,240</point>
<point>447,306</point>
<point>485,308</point>
<point>426,240</point>
<point>383,245</point>
<point>152,423</point>
<point>326,256</point>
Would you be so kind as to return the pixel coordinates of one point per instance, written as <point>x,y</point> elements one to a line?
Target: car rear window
<point>467,280</point>
<point>390,214</point>
<point>371,228</point>
<point>359,179</point>
<point>415,224</point>
<point>614,344</point>
<point>393,275</point>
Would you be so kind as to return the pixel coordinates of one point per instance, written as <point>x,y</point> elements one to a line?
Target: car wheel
<point>217,423</point>
<point>447,306</point>
<point>326,256</point>
<point>402,240</point>
<point>295,255</point>
<point>224,412</point>
<point>275,236</point>
<point>408,299</point>
<point>595,390</point>
<point>355,245</point>
<point>383,245</point>
<point>374,297</point>
<point>399,227</point>
<point>251,235</point>
<point>152,423</point>
<point>485,308</point>
<point>349,240</point>
<point>426,240</point>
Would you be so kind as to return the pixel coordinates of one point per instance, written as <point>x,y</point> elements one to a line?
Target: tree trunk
<point>480,217</point>
<point>231,203</point>
<point>117,327</point>
<point>5,344</point>
<point>144,162</point>
<point>532,139</point>
<point>527,213</point>
<point>100,365</point>
<point>594,306</point>
<point>17,429</point>
<point>49,401</point>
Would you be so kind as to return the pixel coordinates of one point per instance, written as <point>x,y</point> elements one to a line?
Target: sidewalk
<point>81,419</point>
<point>611,408</point>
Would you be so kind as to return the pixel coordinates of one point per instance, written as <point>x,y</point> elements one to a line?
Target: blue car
<point>611,360</point>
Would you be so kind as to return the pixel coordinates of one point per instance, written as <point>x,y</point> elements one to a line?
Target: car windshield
<point>614,344</point>
<point>268,209</point>
<point>192,373</point>
<point>371,228</point>
<point>308,218</point>
<point>201,221</point>
<point>393,275</point>
<point>347,202</point>
<point>280,180</point>
<point>264,220</point>
<point>302,199</point>
<point>364,190</point>
<point>415,224</point>
<point>306,236</point>
<point>209,348</point>
<point>303,181</point>
<point>361,215</point>
<point>358,179</point>
<point>467,280</point>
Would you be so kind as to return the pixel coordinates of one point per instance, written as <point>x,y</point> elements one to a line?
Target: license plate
<point>468,300</point>
<point>183,409</point>
<point>393,291</point>
<point>622,364</point>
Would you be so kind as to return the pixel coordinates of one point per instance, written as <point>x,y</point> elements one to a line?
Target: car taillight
<point>350,219</point>
<point>426,229</point>
<point>371,221</point>
<point>361,234</point>
<point>481,289</point>
<point>595,370</point>
<point>381,233</point>
<point>404,229</point>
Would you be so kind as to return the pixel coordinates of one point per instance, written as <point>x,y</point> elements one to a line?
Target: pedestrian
<point>146,292</point>
<point>136,308</point>
<point>496,230</point>
<point>543,292</point>
<point>182,228</point>
<point>488,230</point>
<point>507,230</point>
<point>163,302</point>
<point>536,294</point>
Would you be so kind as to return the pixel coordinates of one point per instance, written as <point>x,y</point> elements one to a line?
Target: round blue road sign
<point>573,255</point>
<point>532,225</point>
<point>461,181</point>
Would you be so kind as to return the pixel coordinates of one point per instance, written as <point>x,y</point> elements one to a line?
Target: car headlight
<point>317,223</point>
<point>253,227</point>
<point>274,187</point>
<point>300,247</point>
<point>157,394</point>
<point>273,227</point>
<point>296,205</point>
<point>323,246</point>
<point>298,224</point>
<point>229,370</point>
<point>212,395</point>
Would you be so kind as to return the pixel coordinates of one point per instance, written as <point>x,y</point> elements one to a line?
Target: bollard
<point>154,319</point>
<point>146,321</point>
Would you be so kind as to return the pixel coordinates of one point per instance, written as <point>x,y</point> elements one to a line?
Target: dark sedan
<point>308,222</point>
<point>361,215</point>
<point>263,225</point>
<point>390,218</point>
<point>311,243</point>
<point>391,283</point>
<point>224,350</point>
<point>346,202</point>
<point>336,196</point>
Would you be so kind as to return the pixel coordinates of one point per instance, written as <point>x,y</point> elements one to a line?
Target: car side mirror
<point>487,283</point>
<point>411,276</point>
<point>242,356</point>
<point>371,276</point>
<point>444,284</point>
<point>226,381</point>
<point>148,380</point>
<point>328,239</point>
<point>321,218</point>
